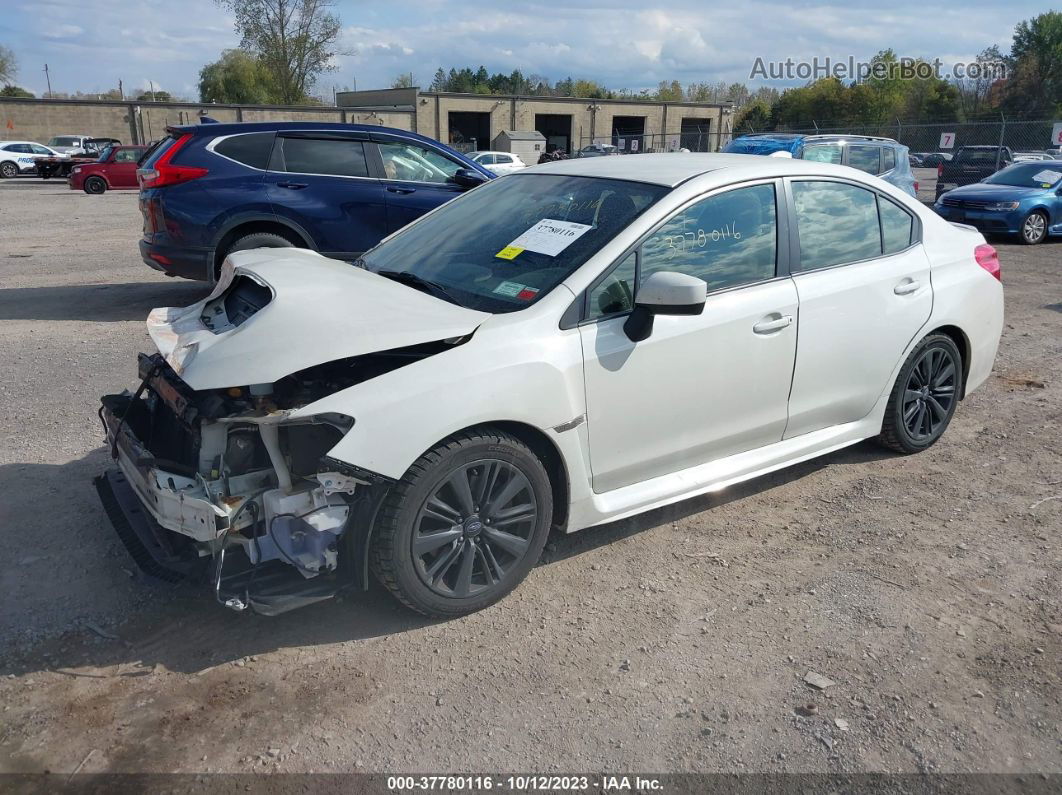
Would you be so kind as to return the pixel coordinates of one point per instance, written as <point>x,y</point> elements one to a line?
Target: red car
<point>115,169</point>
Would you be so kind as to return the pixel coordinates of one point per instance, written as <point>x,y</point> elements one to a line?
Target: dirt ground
<point>928,589</point>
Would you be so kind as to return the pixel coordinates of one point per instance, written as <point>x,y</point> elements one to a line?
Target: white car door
<point>863,281</point>
<point>700,387</point>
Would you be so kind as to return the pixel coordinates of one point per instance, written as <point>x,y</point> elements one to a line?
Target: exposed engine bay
<point>234,484</point>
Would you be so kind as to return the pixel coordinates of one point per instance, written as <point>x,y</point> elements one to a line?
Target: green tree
<point>15,91</point>
<point>755,116</point>
<point>404,80</point>
<point>669,92</point>
<point>1037,60</point>
<point>438,83</point>
<point>154,96</point>
<point>295,40</point>
<point>237,77</point>
<point>8,65</point>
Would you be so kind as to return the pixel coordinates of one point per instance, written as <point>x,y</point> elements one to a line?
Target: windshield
<point>979,156</point>
<point>65,140</point>
<point>104,154</point>
<point>1028,175</point>
<point>507,243</point>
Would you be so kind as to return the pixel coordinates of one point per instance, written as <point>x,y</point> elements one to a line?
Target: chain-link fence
<point>1020,136</point>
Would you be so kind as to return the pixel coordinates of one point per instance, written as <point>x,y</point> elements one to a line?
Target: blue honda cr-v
<point>210,189</point>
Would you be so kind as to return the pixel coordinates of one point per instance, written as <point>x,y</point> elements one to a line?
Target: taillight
<point>916,186</point>
<point>163,173</point>
<point>940,170</point>
<point>988,259</point>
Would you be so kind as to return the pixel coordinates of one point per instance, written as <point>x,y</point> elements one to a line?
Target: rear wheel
<point>464,525</point>
<point>925,395</point>
<point>8,170</point>
<point>255,240</point>
<point>95,185</point>
<point>1033,228</point>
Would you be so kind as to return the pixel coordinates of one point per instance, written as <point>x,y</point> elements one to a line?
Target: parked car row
<point>433,368</point>
<point>882,157</point>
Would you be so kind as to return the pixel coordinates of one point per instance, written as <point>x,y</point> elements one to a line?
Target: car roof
<point>5,143</point>
<point>673,168</point>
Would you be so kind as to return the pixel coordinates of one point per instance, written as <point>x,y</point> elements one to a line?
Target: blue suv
<point>210,189</point>
<point>882,157</point>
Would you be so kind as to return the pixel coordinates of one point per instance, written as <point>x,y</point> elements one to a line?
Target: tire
<point>8,170</point>
<point>1033,228</point>
<point>95,185</point>
<point>251,241</point>
<point>924,397</point>
<point>444,556</point>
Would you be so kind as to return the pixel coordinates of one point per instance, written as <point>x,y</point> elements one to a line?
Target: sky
<point>90,44</point>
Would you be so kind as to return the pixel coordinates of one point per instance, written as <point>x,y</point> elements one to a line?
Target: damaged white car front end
<point>223,468</point>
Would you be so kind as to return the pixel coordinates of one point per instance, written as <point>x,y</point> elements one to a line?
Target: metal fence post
<point>1002,132</point>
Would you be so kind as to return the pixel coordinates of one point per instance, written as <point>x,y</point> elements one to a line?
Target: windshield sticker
<point>511,289</point>
<point>527,293</point>
<point>1048,177</point>
<point>510,252</point>
<point>550,237</point>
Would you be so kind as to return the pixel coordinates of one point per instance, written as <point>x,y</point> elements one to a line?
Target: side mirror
<point>468,178</point>
<point>664,293</point>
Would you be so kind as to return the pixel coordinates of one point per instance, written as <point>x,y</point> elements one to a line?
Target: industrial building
<point>473,121</point>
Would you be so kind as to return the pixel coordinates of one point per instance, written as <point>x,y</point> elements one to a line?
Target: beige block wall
<point>37,120</point>
<point>22,120</point>
<point>586,125</point>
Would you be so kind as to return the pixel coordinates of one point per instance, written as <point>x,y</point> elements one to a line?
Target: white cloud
<point>622,43</point>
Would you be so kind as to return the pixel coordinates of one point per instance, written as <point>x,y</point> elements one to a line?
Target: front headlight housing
<point>1001,206</point>
<point>76,170</point>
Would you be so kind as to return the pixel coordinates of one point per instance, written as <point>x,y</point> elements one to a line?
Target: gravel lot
<point>927,588</point>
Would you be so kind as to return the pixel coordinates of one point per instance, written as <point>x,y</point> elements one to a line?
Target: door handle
<point>403,191</point>
<point>292,185</point>
<point>771,324</point>
<point>907,287</point>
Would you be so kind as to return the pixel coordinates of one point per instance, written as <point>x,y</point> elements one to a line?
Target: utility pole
<point>48,77</point>
<point>121,92</point>
<point>151,87</point>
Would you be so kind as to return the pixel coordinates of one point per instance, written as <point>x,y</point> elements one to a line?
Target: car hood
<point>321,310</point>
<point>993,193</point>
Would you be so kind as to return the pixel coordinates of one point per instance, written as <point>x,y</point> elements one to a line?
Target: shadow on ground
<point>185,630</point>
<point>97,302</point>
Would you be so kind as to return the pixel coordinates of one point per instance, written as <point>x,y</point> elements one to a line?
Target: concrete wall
<point>592,119</point>
<point>136,122</point>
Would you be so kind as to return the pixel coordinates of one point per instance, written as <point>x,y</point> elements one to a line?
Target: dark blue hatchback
<point>210,189</point>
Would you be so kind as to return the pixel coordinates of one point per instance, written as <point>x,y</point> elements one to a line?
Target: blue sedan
<point>1024,199</point>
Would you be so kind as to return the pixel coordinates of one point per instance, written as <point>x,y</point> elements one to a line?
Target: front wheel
<point>95,185</point>
<point>464,525</point>
<point>924,397</point>
<point>1033,228</point>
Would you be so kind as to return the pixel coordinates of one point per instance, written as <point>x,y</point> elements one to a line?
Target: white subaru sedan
<point>579,342</point>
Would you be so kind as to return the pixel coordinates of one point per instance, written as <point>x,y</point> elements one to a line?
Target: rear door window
<point>865,158</point>
<point>837,223</point>
<point>251,150</point>
<point>338,157</point>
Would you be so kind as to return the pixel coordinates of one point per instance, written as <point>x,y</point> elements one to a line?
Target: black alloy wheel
<point>925,395</point>
<point>474,528</point>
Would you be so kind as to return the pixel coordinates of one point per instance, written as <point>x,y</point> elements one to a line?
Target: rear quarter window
<point>251,149</point>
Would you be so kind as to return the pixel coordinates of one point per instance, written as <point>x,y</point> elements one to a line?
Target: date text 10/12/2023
<point>524,783</point>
